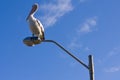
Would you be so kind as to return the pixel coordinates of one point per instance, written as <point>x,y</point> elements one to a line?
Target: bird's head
<point>33,10</point>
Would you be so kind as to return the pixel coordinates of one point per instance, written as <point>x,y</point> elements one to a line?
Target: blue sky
<point>82,26</point>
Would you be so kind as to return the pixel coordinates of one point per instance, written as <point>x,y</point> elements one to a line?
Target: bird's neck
<point>31,18</point>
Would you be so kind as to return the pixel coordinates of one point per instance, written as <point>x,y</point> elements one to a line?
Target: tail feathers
<point>43,38</point>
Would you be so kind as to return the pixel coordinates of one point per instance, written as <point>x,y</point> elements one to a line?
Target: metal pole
<point>91,67</point>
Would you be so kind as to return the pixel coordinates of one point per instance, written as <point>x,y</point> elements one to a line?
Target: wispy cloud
<point>74,44</point>
<point>112,69</point>
<point>114,52</point>
<point>88,26</point>
<point>53,11</point>
<point>111,55</point>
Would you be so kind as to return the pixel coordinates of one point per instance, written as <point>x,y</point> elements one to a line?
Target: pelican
<point>35,25</point>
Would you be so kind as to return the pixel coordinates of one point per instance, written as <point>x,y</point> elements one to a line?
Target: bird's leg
<point>32,38</point>
<point>33,35</point>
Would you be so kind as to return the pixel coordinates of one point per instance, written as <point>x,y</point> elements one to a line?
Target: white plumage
<point>35,25</point>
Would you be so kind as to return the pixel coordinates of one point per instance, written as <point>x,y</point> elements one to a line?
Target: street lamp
<point>30,41</point>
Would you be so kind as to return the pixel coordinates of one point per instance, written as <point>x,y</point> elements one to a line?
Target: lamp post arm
<point>67,52</point>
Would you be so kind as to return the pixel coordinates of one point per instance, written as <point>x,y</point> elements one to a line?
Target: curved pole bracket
<point>67,52</point>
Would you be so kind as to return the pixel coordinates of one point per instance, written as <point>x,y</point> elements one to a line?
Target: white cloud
<point>111,56</point>
<point>112,69</point>
<point>88,26</point>
<point>53,11</point>
<point>74,44</point>
<point>114,52</point>
<point>87,49</point>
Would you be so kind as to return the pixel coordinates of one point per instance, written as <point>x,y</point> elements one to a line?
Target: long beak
<point>28,16</point>
<point>33,10</point>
